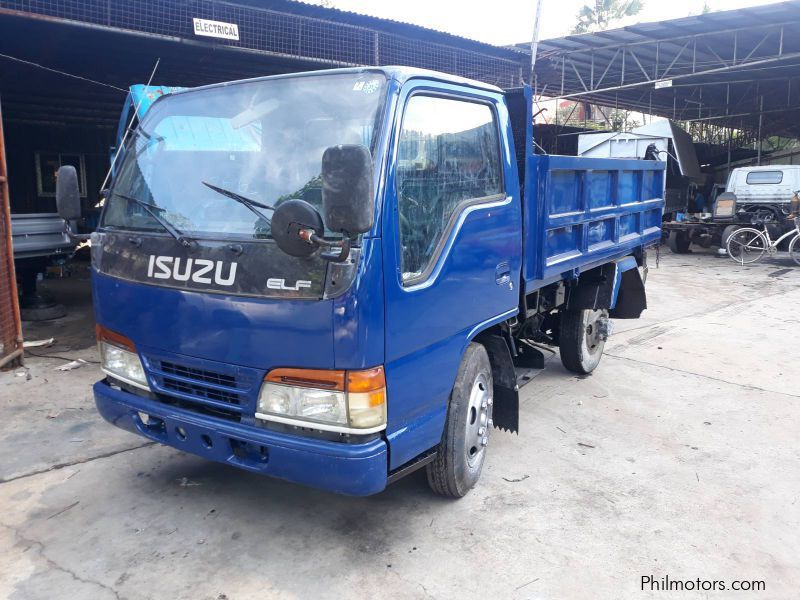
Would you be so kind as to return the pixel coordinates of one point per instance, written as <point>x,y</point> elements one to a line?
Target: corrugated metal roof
<point>704,24</point>
<point>723,68</point>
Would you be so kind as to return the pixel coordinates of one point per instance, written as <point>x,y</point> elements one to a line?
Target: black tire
<point>581,351</point>
<point>43,313</point>
<point>459,461</point>
<point>679,242</point>
<point>794,249</point>
<point>726,233</point>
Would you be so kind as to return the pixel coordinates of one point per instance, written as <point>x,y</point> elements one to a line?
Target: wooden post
<point>10,324</point>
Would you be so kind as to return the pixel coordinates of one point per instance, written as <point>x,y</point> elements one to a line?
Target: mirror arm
<point>344,251</point>
<point>343,246</point>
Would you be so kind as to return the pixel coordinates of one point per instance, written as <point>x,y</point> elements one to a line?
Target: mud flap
<point>506,393</point>
<point>632,298</point>
<point>595,289</point>
<point>616,286</point>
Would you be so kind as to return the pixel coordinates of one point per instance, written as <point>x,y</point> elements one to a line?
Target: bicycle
<point>747,245</point>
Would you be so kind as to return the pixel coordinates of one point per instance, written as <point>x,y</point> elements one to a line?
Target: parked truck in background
<point>760,194</point>
<point>39,240</point>
<point>335,278</point>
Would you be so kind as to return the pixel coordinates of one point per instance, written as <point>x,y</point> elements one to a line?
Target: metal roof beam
<point>728,68</point>
<point>588,61</point>
<point>681,36</point>
<point>636,60</point>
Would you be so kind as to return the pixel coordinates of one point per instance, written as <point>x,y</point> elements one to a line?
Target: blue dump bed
<point>581,212</point>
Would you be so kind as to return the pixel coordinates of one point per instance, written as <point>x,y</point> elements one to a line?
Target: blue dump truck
<point>339,277</point>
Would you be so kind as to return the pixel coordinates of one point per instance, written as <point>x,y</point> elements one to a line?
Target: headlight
<point>119,359</point>
<point>340,401</point>
<point>725,205</point>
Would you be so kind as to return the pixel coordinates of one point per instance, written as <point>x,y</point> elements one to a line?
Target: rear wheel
<point>794,249</point>
<point>746,245</point>
<point>458,463</point>
<point>679,242</point>
<point>582,337</point>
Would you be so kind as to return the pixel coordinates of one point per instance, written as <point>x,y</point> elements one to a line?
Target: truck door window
<point>448,158</point>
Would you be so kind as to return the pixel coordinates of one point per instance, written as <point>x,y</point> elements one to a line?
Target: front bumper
<point>352,469</point>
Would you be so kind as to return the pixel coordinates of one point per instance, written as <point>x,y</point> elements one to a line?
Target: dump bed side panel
<point>581,212</point>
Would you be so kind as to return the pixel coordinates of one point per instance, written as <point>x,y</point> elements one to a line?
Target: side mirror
<point>68,195</point>
<point>347,196</point>
<point>294,223</point>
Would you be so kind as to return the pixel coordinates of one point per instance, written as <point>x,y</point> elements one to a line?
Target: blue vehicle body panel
<point>582,212</point>
<point>250,332</point>
<point>429,324</point>
<point>358,320</point>
<point>213,350</point>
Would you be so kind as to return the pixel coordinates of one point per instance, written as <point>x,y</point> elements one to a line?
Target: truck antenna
<point>128,128</point>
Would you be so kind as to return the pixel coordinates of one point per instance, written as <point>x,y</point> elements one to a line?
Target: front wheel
<point>458,463</point>
<point>726,234</point>
<point>581,339</point>
<point>746,245</point>
<point>679,242</point>
<point>794,249</point>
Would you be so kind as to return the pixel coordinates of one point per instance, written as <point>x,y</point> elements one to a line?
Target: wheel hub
<point>597,327</point>
<point>479,419</point>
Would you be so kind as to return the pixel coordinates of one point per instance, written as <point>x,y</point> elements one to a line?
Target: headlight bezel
<point>115,347</point>
<point>361,396</point>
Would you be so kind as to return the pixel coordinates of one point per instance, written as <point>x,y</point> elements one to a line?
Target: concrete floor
<point>678,457</point>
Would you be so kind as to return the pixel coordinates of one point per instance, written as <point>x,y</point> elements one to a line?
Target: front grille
<point>170,368</point>
<point>202,386</point>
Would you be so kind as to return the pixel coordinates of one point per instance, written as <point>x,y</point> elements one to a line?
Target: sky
<point>503,22</point>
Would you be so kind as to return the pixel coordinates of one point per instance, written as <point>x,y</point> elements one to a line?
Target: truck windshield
<point>217,161</point>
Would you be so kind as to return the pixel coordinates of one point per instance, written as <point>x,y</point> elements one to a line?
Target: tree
<point>604,13</point>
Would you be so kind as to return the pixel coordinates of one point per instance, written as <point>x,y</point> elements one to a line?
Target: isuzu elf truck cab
<point>339,277</point>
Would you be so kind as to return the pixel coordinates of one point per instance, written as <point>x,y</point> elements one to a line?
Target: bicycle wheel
<point>794,249</point>
<point>746,245</point>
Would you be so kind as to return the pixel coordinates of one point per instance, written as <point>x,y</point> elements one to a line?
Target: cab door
<point>452,249</point>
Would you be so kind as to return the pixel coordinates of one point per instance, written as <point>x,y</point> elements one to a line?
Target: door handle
<point>502,274</point>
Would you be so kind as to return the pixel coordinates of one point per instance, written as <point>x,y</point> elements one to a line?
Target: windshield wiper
<point>153,210</point>
<point>248,202</point>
